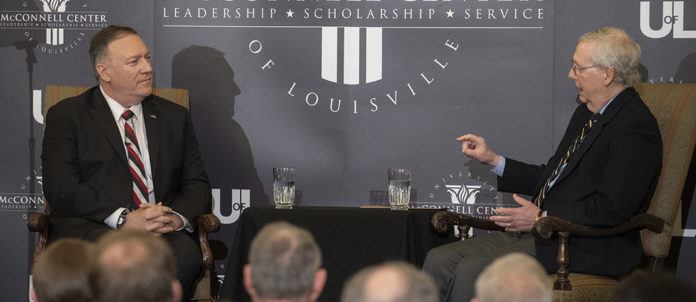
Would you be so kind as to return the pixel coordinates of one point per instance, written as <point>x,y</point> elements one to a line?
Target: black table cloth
<point>350,239</point>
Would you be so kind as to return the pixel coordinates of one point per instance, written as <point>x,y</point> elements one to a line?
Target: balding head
<point>284,264</point>
<point>514,277</point>
<point>134,266</point>
<point>390,282</point>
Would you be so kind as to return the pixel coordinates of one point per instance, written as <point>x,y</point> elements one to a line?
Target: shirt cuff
<point>113,218</point>
<point>187,226</point>
<point>500,167</point>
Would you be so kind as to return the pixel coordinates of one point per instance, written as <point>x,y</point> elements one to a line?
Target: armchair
<point>206,286</point>
<point>674,107</point>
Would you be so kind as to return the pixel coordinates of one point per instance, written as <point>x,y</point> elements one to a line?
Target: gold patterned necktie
<point>574,146</point>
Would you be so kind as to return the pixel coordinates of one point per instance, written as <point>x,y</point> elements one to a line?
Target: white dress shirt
<point>138,123</point>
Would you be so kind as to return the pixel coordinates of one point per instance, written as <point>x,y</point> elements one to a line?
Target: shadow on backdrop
<point>686,71</point>
<point>224,145</point>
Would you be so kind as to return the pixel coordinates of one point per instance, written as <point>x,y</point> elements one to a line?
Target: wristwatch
<point>121,219</point>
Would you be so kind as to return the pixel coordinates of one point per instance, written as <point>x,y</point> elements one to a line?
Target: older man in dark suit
<point>603,172</point>
<point>118,157</point>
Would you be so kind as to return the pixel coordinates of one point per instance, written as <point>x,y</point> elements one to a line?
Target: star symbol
<point>290,13</point>
<point>450,13</point>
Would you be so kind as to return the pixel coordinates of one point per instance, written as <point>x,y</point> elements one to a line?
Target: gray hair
<point>284,260</point>
<point>413,285</point>
<point>514,277</point>
<point>617,50</point>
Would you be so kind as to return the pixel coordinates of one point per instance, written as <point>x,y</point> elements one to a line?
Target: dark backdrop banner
<point>341,90</point>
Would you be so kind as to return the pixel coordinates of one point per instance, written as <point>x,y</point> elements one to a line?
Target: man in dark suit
<point>603,172</point>
<point>118,157</point>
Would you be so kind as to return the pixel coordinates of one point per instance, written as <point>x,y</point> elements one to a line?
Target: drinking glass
<point>284,187</point>
<point>399,188</point>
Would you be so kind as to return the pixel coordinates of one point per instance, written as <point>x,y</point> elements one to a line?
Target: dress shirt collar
<point>117,109</point>
<point>607,105</point>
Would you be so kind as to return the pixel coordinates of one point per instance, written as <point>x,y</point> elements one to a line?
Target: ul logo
<point>672,20</point>
<point>240,200</point>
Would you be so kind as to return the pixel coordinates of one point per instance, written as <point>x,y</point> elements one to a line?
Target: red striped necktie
<point>135,164</point>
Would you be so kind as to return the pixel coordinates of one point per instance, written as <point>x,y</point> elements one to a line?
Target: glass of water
<point>399,188</point>
<point>284,187</point>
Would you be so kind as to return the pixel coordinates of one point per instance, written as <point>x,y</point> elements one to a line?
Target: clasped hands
<point>520,219</point>
<point>154,218</point>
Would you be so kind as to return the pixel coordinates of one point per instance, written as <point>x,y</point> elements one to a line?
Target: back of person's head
<point>615,49</point>
<point>515,277</point>
<point>61,273</point>
<point>660,286</point>
<point>390,282</point>
<point>133,266</point>
<point>284,264</point>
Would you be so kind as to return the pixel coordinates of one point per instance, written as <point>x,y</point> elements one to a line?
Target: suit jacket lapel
<point>102,115</point>
<point>596,130</point>
<point>153,127</point>
<point>582,149</point>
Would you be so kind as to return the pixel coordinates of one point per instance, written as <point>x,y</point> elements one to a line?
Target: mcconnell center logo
<point>355,57</point>
<point>53,26</point>
<point>29,198</point>
<point>461,194</point>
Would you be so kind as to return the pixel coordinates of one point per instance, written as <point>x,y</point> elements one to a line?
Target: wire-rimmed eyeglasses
<point>575,68</point>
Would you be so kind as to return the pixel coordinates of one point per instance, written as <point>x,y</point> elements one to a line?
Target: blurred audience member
<point>661,286</point>
<point>62,271</point>
<point>515,277</point>
<point>284,265</point>
<point>390,282</point>
<point>133,266</point>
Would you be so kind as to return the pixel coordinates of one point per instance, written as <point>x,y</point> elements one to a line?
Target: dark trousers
<point>456,266</point>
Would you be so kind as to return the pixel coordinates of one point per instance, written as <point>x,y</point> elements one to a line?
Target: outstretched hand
<point>520,219</point>
<point>476,147</point>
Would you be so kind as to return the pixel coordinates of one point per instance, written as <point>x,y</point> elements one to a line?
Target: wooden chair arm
<point>208,288</point>
<point>41,224</point>
<point>208,223</point>
<point>38,222</point>
<point>442,220</point>
<point>548,226</point>
<point>205,224</point>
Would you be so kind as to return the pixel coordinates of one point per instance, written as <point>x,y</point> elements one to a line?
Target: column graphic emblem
<point>54,36</point>
<point>352,66</point>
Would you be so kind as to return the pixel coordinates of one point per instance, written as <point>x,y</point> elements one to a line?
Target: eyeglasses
<point>575,68</point>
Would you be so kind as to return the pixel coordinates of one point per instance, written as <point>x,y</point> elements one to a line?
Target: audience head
<point>133,266</point>
<point>514,277</point>
<point>284,264</point>
<point>661,286</point>
<point>614,48</point>
<point>390,282</point>
<point>62,272</point>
